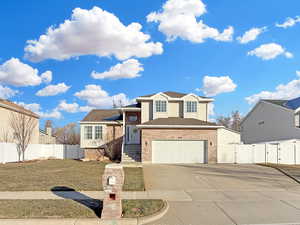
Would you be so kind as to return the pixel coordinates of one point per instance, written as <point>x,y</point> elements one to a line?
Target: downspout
<point>123,139</point>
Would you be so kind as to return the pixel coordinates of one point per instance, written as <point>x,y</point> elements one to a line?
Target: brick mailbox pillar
<point>112,180</point>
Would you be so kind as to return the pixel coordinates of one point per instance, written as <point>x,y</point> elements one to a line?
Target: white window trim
<point>186,106</point>
<point>101,132</point>
<point>86,132</point>
<point>155,106</point>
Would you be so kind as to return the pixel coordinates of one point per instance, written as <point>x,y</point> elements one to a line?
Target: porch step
<point>131,153</point>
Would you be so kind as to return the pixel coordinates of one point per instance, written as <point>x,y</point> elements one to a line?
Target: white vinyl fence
<point>279,153</point>
<point>8,152</point>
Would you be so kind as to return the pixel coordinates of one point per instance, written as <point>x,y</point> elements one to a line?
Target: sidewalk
<point>23,195</point>
<point>67,222</point>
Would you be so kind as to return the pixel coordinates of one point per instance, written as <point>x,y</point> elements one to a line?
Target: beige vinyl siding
<point>5,128</point>
<point>173,109</point>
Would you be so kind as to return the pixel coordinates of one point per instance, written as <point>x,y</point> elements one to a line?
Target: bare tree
<point>69,134</point>
<point>224,121</point>
<point>5,136</point>
<point>22,126</point>
<point>233,121</point>
<point>236,120</point>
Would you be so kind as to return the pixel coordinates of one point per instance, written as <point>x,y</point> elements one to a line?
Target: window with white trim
<point>88,132</point>
<point>191,106</point>
<point>161,106</point>
<point>98,132</point>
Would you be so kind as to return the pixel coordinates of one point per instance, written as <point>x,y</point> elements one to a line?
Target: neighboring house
<point>166,127</point>
<point>7,108</point>
<point>272,120</point>
<point>46,136</point>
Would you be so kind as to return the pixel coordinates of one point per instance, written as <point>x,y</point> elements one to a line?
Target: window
<point>261,122</point>
<point>191,106</point>
<point>88,132</point>
<point>132,118</point>
<point>98,132</point>
<point>161,106</point>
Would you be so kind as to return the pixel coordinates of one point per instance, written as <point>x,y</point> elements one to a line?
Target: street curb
<point>282,171</point>
<point>155,216</point>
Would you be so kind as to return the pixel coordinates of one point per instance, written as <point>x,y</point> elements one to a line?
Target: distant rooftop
<point>290,104</point>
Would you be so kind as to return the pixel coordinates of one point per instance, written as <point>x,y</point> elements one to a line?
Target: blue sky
<point>171,50</point>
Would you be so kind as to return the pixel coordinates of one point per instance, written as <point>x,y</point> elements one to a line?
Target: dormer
<point>174,104</point>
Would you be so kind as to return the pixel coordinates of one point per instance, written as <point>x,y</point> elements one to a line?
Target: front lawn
<point>91,208</point>
<point>47,174</point>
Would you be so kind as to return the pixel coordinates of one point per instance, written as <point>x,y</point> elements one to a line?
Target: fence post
<point>278,153</point>
<point>266,153</point>
<point>235,153</point>
<point>295,152</point>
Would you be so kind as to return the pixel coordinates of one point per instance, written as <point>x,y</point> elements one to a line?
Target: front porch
<point>131,147</point>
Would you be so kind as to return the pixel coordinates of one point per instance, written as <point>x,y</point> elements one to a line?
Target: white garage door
<point>179,151</point>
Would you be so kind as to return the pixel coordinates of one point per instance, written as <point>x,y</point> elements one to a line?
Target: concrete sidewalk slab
<point>266,212</point>
<point>169,195</point>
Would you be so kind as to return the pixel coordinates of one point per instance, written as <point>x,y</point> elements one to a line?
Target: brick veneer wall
<point>149,135</point>
<point>112,208</point>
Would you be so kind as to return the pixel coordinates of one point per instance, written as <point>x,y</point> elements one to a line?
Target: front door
<point>132,134</point>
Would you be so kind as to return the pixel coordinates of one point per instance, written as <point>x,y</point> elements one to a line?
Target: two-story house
<point>166,127</point>
<point>272,120</point>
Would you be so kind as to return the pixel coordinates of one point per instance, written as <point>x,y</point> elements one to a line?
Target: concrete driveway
<point>224,194</point>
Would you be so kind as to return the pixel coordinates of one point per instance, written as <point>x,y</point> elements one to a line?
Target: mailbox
<point>112,180</point>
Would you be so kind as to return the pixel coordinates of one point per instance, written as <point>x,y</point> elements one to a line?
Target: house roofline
<point>178,126</point>
<point>101,122</point>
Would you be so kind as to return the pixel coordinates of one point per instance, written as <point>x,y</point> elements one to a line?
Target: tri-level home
<point>272,120</point>
<point>166,127</point>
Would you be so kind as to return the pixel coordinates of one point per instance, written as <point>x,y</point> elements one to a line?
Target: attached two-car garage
<point>179,151</point>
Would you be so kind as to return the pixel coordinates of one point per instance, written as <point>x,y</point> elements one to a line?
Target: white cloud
<point>289,22</point>
<point>52,90</point>
<point>251,35</point>
<point>55,114</point>
<point>72,107</point>
<point>36,108</point>
<point>270,51</point>
<point>97,97</point>
<point>213,86</point>
<point>92,32</point>
<point>16,73</point>
<point>6,92</point>
<point>178,18</point>
<point>282,91</point>
<point>298,73</point>
<point>47,77</point>
<point>127,69</point>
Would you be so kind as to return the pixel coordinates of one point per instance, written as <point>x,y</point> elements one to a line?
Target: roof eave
<point>179,126</point>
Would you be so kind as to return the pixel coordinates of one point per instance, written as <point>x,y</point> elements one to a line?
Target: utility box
<point>112,180</point>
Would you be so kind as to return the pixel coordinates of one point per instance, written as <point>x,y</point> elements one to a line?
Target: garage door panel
<point>178,151</point>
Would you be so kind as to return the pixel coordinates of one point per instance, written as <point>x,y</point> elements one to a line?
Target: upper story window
<point>88,132</point>
<point>132,118</point>
<point>98,132</point>
<point>161,106</point>
<point>191,106</point>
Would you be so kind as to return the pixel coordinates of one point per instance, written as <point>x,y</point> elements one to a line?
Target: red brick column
<point>112,181</point>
